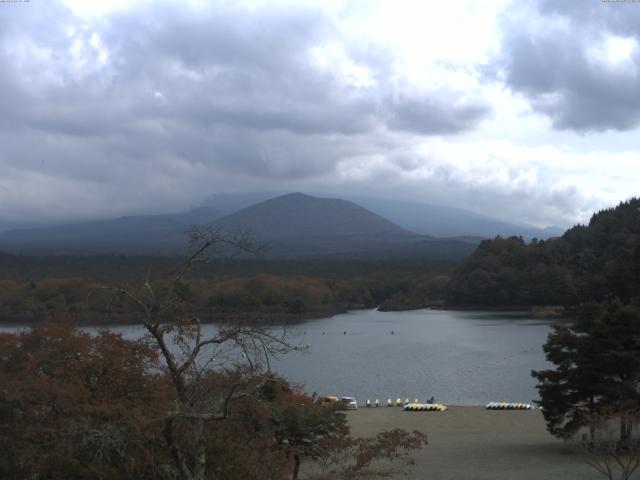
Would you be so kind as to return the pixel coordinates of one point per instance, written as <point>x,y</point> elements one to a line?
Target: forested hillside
<point>586,264</point>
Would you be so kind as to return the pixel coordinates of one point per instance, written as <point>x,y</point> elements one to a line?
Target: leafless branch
<point>614,457</point>
<point>179,336</point>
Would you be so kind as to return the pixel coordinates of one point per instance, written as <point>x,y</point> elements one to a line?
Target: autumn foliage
<point>77,406</point>
<point>185,402</point>
<point>81,406</point>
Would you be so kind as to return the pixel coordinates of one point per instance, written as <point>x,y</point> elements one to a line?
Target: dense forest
<point>587,263</point>
<point>34,288</point>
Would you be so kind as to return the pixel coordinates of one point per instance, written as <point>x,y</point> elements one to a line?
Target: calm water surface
<point>461,358</point>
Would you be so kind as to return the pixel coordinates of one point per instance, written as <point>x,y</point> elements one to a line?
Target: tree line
<point>587,263</point>
<point>238,296</point>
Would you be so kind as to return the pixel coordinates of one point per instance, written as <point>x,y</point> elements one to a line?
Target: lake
<point>461,358</point>
<point>458,357</point>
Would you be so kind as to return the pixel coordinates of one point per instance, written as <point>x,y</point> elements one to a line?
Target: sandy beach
<point>478,444</point>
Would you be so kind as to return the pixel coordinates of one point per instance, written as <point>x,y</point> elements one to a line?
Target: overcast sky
<point>526,111</point>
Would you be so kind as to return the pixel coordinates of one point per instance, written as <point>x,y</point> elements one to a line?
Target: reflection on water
<point>459,357</point>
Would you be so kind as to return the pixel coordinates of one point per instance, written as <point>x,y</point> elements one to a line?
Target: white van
<point>349,402</point>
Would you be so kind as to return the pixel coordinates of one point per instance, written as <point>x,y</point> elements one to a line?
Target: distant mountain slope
<point>423,218</point>
<point>298,225</point>
<point>136,234</point>
<point>290,226</point>
<point>298,215</point>
<point>443,221</point>
<point>229,203</point>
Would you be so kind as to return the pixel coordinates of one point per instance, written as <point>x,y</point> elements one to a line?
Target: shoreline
<point>286,318</point>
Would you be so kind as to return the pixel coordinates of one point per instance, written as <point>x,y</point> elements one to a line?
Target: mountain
<point>290,226</point>
<point>133,234</point>
<point>299,225</point>
<point>297,215</point>
<point>423,218</point>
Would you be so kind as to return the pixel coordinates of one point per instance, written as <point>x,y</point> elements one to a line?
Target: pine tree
<point>597,369</point>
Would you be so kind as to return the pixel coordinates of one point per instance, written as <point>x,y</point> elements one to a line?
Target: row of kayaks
<point>439,407</point>
<point>509,406</point>
<point>411,406</point>
<point>390,403</point>
<point>425,407</point>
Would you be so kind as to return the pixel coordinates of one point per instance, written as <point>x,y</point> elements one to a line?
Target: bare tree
<point>193,354</point>
<point>614,454</point>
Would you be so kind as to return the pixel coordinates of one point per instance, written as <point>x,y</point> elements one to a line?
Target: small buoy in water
<point>392,332</point>
<point>345,333</point>
<point>323,333</point>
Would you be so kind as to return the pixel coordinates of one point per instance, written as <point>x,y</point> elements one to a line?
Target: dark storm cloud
<point>550,56</point>
<point>219,66</point>
<point>232,67</point>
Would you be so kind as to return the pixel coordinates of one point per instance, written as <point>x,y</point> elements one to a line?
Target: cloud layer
<point>157,105</point>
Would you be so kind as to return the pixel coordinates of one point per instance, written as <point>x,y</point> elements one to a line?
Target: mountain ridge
<point>310,214</point>
<point>423,218</point>
<point>289,225</point>
<point>129,233</point>
<point>294,225</point>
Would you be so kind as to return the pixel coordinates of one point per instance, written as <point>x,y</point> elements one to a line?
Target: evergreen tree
<point>597,368</point>
<point>587,263</point>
